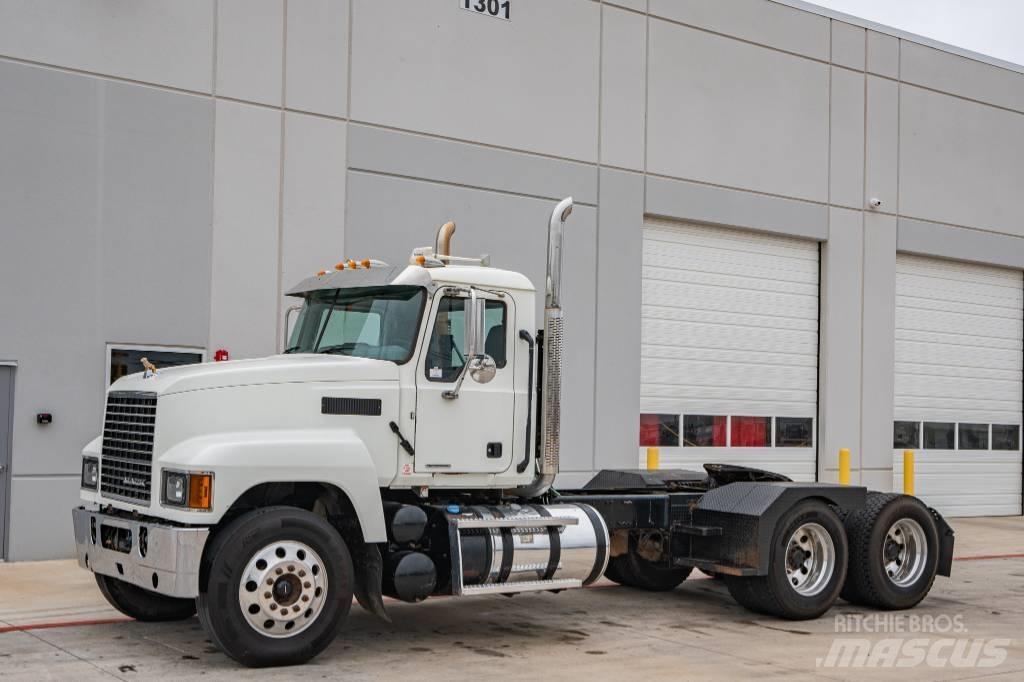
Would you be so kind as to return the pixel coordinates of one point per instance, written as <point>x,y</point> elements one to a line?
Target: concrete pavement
<point>55,625</point>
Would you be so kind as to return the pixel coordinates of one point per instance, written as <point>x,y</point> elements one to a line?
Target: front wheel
<point>806,569</point>
<point>279,587</point>
<point>142,604</point>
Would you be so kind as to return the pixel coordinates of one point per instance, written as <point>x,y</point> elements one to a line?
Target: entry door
<point>6,425</point>
<point>471,433</point>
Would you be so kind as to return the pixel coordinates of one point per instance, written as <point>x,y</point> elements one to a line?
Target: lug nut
<point>307,584</point>
<point>305,597</point>
<point>279,571</point>
<point>273,607</point>
<point>266,595</point>
<point>302,574</point>
<point>291,569</point>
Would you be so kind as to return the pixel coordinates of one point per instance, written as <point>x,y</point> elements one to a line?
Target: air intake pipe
<point>443,242</point>
<point>551,398</point>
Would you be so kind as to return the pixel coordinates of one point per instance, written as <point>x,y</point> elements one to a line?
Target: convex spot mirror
<point>482,368</point>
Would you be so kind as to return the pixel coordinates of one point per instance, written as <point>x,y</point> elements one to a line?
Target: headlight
<point>90,473</point>
<point>186,489</point>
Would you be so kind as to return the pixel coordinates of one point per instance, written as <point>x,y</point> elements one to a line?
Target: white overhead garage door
<point>729,364</point>
<point>959,358</point>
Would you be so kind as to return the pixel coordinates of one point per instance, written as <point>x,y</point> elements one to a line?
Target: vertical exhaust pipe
<point>443,242</point>
<point>551,399</point>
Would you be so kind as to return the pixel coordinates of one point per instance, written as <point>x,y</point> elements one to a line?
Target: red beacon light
<point>221,355</point>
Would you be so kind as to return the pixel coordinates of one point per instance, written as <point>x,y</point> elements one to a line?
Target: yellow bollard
<point>844,466</point>
<point>652,459</point>
<point>908,472</point>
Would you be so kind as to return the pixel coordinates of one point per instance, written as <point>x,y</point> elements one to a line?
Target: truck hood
<point>276,369</point>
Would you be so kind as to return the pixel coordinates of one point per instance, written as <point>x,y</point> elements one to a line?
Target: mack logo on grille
<point>127,454</point>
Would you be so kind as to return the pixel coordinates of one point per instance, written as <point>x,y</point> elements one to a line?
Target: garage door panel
<point>990,326</point>
<point>729,337</point>
<point>795,464</point>
<point>750,377</point>
<point>676,313</point>
<point>724,240</point>
<point>671,270</point>
<point>700,262</point>
<point>959,359</point>
<point>670,352</point>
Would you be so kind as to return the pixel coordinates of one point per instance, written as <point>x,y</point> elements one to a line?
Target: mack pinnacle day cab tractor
<point>405,444</point>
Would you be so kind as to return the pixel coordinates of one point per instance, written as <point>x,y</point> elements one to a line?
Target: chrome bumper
<point>159,558</point>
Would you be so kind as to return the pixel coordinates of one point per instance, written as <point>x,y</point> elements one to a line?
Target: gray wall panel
<point>879,338</point>
<point>958,243</point>
<point>41,517</point>
<point>420,156</point>
<point>169,43</point>
<point>960,162</point>
<point>768,23</point>
<point>883,57</point>
<point>938,70</point>
<point>530,83</point>
<point>317,60</point>
<point>839,368</point>
<point>710,124</point>
<point>881,159</point>
<point>388,216</point>
<point>848,45</point>
<point>617,339</point>
<point>718,205</point>
<point>157,169</point>
<point>623,88</point>
<point>846,141</point>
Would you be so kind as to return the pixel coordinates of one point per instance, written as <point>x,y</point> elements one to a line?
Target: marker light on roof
<point>321,273</point>
<point>339,266</point>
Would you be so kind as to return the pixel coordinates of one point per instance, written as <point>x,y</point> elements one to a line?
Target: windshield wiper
<point>292,349</point>
<point>337,348</point>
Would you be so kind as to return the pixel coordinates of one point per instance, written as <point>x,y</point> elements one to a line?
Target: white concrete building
<point>795,231</point>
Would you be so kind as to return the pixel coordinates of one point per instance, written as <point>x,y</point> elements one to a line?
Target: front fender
<point>242,460</point>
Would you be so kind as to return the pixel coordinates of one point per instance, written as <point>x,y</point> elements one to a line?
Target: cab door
<point>472,433</point>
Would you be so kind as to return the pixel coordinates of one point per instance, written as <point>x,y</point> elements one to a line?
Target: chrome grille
<point>126,466</point>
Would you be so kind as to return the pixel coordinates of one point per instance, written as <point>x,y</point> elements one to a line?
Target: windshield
<point>368,322</point>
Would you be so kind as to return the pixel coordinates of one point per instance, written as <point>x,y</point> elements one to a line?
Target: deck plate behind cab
<point>642,479</point>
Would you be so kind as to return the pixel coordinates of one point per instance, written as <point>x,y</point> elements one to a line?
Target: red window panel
<point>751,432</point>
<point>659,430</point>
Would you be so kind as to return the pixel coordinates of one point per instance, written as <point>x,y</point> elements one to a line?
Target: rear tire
<point>806,568</point>
<point>633,570</point>
<point>144,605</point>
<point>894,552</point>
<point>279,587</point>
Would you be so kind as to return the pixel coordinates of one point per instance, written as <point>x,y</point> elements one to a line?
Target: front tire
<point>806,568</point>
<point>279,587</point>
<point>143,605</point>
<point>894,552</point>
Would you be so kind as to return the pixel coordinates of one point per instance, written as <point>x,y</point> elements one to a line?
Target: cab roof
<point>413,275</point>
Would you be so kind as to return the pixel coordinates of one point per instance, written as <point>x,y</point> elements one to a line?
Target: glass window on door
<point>446,355</point>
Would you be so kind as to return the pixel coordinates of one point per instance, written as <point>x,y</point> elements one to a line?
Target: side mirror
<point>476,322</point>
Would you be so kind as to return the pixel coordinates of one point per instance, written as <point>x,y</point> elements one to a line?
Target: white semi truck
<point>405,444</point>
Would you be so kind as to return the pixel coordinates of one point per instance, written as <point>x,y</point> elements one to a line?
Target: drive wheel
<point>142,604</point>
<point>641,567</point>
<point>806,569</point>
<point>279,587</point>
<point>894,552</point>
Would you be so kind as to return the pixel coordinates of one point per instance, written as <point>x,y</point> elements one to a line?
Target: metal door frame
<point>5,484</point>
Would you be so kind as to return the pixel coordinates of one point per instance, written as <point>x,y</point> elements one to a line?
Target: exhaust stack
<point>551,400</point>
<point>443,243</point>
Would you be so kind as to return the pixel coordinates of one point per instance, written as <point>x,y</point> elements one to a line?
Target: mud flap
<point>946,538</point>
<point>369,569</point>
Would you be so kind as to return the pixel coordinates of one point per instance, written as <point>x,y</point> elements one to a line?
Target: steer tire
<point>632,570</point>
<point>868,582</point>
<point>144,605</point>
<point>773,594</point>
<point>242,581</point>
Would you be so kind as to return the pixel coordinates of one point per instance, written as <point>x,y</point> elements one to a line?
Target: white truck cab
<point>404,444</point>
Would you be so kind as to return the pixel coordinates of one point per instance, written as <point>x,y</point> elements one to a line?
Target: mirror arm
<point>453,393</point>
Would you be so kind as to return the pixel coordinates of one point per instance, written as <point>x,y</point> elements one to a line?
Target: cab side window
<point>445,354</point>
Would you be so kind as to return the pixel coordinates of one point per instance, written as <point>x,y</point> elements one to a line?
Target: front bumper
<point>156,557</point>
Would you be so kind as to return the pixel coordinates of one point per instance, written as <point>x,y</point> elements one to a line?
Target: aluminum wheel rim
<point>810,559</point>
<point>283,589</point>
<point>905,552</point>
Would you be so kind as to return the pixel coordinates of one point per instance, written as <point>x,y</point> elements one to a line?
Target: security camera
<point>874,202</point>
